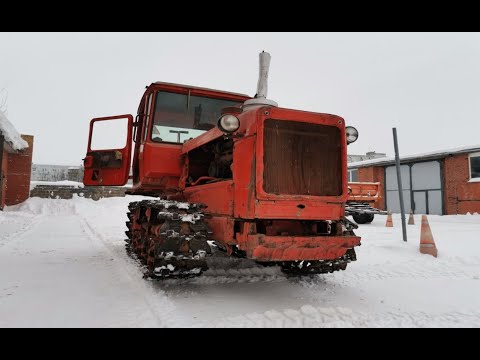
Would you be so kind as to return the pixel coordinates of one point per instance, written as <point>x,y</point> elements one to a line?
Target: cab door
<point>109,151</point>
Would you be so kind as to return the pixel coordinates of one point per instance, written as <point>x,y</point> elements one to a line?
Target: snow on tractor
<point>232,174</point>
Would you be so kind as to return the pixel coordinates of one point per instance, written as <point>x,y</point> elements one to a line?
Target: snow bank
<point>11,134</point>
<point>38,206</point>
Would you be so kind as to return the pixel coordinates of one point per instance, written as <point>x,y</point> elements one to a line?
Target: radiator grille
<point>302,159</point>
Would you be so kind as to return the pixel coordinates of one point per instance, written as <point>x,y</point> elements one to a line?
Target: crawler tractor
<point>231,174</point>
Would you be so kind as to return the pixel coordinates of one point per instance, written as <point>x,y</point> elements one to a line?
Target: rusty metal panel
<point>307,210</point>
<point>222,229</point>
<point>203,139</point>
<point>291,248</point>
<point>302,159</point>
<point>363,191</point>
<point>170,165</point>
<point>244,177</point>
<point>218,196</point>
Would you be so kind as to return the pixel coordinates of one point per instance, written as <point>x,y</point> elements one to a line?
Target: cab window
<point>181,117</point>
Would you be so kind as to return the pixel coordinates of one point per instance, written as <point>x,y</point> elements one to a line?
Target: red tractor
<point>234,175</point>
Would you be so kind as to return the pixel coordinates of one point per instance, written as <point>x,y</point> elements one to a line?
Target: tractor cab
<point>169,115</point>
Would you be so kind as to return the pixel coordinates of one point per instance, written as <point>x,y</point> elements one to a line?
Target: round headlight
<point>352,134</point>
<point>228,123</point>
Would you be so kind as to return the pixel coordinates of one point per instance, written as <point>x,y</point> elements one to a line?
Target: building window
<point>353,175</point>
<point>474,161</point>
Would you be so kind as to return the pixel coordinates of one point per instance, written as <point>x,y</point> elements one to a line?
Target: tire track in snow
<point>309,316</point>
<point>133,275</point>
<point>34,212</point>
<point>413,270</point>
<point>410,270</point>
<point>219,276</point>
<point>15,236</point>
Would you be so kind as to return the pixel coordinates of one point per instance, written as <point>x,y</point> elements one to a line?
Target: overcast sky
<point>425,84</point>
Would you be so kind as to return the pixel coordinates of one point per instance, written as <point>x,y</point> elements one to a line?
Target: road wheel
<point>363,218</point>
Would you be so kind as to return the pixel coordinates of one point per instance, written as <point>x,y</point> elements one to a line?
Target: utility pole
<point>399,180</point>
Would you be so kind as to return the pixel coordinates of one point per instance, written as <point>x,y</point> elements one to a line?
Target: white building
<point>45,172</point>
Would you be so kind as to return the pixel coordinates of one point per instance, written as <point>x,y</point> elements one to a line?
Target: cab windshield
<point>181,117</point>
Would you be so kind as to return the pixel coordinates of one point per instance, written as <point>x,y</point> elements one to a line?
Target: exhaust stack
<point>262,85</point>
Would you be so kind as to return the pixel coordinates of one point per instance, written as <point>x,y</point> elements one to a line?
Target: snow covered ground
<point>63,263</point>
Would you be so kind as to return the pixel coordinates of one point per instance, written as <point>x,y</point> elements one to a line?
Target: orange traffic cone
<point>427,245</point>
<point>411,221</point>
<point>389,222</point>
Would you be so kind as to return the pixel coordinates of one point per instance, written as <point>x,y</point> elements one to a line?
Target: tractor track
<point>310,316</point>
<point>229,276</point>
<point>417,270</point>
<point>411,270</point>
<point>16,236</point>
<point>130,271</point>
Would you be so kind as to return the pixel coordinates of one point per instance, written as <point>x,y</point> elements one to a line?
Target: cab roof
<point>172,85</point>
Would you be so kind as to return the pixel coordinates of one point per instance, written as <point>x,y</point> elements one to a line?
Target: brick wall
<point>460,196</point>
<point>67,192</point>
<point>3,182</point>
<point>18,175</point>
<point>374,174</point>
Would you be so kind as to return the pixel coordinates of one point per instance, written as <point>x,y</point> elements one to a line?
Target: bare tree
<point>3,101</point>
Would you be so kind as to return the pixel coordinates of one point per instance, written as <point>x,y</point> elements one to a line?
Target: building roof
<point>368,156</point>
<point>11,135</point>
<point>439,154</point>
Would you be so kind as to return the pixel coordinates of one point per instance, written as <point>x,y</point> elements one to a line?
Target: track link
<point>168,237</point>
<point>306,267</point>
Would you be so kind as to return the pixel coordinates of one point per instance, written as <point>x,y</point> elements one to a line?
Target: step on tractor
<point>228,174</point>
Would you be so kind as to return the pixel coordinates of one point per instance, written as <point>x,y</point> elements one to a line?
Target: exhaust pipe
<point>262,85</point>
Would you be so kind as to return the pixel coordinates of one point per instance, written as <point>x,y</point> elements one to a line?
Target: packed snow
<point>10,134</point>
<point>63,264</point>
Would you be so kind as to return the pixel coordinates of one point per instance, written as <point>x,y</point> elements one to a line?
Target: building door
<point>427,188</point>
<point>422,188</point>
<point>420,201</point>
<point>391,188</point>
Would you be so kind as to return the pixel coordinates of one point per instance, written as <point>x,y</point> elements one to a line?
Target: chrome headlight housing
<point>352,134</point>
<point>228,123</point>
